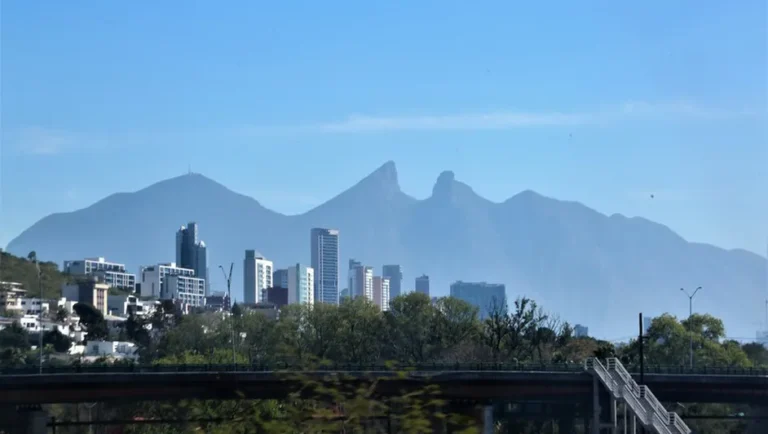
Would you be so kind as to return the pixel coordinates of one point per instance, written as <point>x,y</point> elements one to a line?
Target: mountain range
<point>589,268</point>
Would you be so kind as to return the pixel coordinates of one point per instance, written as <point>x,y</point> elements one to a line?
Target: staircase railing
<point>639,399</point>
<point>678,423</point>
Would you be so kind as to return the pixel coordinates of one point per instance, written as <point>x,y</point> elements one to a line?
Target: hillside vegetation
<point>23,270</point>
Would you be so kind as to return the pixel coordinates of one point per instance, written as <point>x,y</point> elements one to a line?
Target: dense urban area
<point>94,313</point>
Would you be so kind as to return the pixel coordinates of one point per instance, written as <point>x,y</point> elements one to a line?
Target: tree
<point>93,321</point>
<point>410,328</point>
<point>455,323</point>
<point>60,342</point>
<point>14,343</point>
<point>237,310</point>
<point>757,354</point>
<point>61,314</point>
<point>14,336</point>
<point>360,333</point>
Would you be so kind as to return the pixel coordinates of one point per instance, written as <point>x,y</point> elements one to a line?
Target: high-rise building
<point>191,252</point>
<point>422,284</point>
<point>325,263</point>
<point>301,280</point>
<point>381,291</point>
<point>361,282</point>
<point>647,321</point>
<point>580,331</point>
<point>278,295</point>
<point>88,291</point>
<point>280,278</point>
<point>111,273</point>
<point>487,297</point>
<point>395,275</point>
<point>257,277</point>
<point>351,277</point>
<point>187,288</point>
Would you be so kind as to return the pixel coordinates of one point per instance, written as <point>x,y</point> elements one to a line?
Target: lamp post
<point>228,277</point>
<point>690,314</point>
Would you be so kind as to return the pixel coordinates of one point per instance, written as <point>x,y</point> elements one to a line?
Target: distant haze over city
<point>589,268</point>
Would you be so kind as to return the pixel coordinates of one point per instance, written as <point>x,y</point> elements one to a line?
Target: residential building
<point>127,305</point>
<point>217,302</point>
<point>381,292</point>
<point>422,284</point>
<point>32,324</point>
<point>111,349</point>
<point>361,282</point>
<point>88,291</point>
<point>580,331</point>
<point>27,305</point>
<point>257,277</point>
<point>301,281</point>
<point>11,294</point>
<point>485,296</point>
<point>191,252</point>
<point>187,290</point>
<point>184,287</point>
<point>14,297</point>
<point>395,275</point>
<point>278,295</point>
<point>280,278</point>
<point>111,273</point>
<point>325,263</point>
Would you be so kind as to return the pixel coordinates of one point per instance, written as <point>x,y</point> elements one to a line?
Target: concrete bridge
<point>558,384</point>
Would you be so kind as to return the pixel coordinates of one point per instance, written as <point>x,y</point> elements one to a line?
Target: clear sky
<point>291,102</point>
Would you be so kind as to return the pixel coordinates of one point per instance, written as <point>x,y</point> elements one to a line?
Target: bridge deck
<point>464,384</point>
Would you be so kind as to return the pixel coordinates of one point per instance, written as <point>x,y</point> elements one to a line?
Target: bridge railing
<point>625,372</point>
<point>677,422</point>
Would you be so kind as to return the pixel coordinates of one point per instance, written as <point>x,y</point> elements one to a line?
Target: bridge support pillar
<point>30,420</point>
<point>761,425</point>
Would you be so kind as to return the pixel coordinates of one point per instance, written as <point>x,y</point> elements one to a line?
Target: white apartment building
<point>361,281</point>
<point>381,288</point>
<point>187,290</point>
<point>154,283</point>
<point>11,294</point>
<point>301,283</point>
<point>26,305</point>
<point>125,305</point>
<point>111,349</point>
<point>111,273</point>
<point>257,277</point>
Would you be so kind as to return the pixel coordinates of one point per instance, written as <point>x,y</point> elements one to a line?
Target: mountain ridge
<point>563,253</point>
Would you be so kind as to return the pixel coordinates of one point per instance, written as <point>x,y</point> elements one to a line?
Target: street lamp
<point>690,314</point>
<point>228,278</point>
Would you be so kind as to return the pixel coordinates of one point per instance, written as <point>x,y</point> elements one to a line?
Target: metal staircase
<point>639,399</point>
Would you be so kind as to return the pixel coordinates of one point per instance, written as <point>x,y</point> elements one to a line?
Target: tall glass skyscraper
<point>191,252</point>
<point>395,275</point>
<point>486,297</point>
<point>325,263</point>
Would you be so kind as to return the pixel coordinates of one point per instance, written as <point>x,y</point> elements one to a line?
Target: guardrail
<point>624,372</point>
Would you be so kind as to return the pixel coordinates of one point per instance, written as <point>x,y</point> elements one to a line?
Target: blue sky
<point>600,102</point>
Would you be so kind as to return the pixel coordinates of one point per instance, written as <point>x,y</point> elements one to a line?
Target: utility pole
<point>40,311</point>
<point>641,341</point>
<point>690,314</point>
<point>228,278</point>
